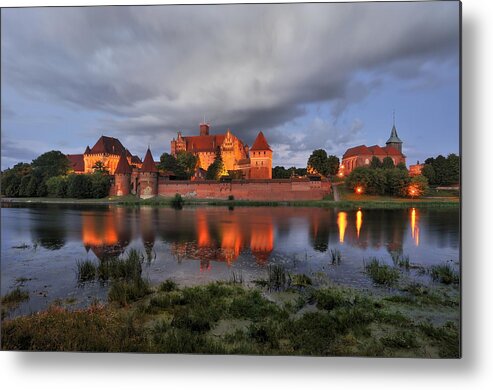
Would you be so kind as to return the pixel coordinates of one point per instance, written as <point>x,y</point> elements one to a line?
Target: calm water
<point>197,245</point>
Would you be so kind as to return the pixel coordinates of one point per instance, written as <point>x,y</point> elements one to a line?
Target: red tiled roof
<point>107,145</point>
<point>135,160</point>
<point>375,150</point>
<point>357,150</point>
<point>149,165</point>
<point>76,162</point>
<point>123,167</point>
<point>204,143</point>
<point>260,143</point>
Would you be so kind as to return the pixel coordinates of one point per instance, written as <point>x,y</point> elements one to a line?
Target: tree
<point>317,162</point>
<point>388,163</point>
<point>99,167</point>
<point>397,182</point>
<point>79,186</point>
<point>215,170</point>
<point>417,186</point>
<point>279,172</point>
<point>168,163</point>
<point>57,186</point>
<point>332,165</point>
<point>186,164</point>
<point>375,163</point>
<point>402,166</point>
<point>11,182</point>
<point>49,164</point>
<point>429,172</point>
<point>100,185</point>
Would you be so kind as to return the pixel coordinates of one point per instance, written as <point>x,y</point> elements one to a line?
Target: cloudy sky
<point>308,75</point>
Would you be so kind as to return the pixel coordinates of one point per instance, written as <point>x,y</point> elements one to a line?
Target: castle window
<point>264,153</point>
<point>367,161</point>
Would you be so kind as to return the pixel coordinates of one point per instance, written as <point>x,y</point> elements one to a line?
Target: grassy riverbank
<point>287,315</point>
<point>362,201</point>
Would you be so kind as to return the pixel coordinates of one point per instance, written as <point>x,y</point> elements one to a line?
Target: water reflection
<point>342,223</point>
<point>219,234</point>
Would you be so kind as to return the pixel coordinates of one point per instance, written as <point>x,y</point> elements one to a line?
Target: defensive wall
<point>260,189</point>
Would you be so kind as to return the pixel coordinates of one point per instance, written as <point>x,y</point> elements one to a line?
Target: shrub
<point>168,285</point>
<point>177,201</point>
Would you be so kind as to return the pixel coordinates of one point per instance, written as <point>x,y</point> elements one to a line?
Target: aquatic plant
<point>278,278</point>
<point>335,255</point>
<point>381,273</point>
<point>401,261</point>
<point>301,280</point>
<point>15,297</point>
<point>124,292</point>
<point>236,277</point>
<point>444,273</point>
<point>86,270</point>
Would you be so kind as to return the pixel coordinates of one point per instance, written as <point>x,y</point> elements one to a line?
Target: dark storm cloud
<point>156,70</point>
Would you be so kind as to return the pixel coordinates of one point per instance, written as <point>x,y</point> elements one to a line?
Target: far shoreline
<point>368,202</point>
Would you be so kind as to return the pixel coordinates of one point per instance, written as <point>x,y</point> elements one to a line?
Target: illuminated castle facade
<point>253,163</point>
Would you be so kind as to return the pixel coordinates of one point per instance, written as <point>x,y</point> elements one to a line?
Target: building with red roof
<point>235,154</point>
<point>106,150</point>
<point>360,156</point>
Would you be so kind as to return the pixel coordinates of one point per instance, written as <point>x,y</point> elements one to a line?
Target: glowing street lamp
<point>359,190</point>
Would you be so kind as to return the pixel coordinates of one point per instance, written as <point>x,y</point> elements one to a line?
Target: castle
<point>360,156</point>
<point>251,163</point>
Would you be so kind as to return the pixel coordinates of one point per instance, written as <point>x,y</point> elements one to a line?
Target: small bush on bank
<point>381,273</point>
<point>444,273</point>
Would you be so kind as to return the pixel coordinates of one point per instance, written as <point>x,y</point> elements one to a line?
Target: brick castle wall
<point>264,190</point>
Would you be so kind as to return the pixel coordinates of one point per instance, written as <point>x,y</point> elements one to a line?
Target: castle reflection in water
<point>220,234</point>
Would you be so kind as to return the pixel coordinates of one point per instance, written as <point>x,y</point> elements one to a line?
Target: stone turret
<point>148,177</point>
<point>123,172</point>
<point>260,158</point>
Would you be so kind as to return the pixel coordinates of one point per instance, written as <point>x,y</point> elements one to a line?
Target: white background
<point>473,371</point>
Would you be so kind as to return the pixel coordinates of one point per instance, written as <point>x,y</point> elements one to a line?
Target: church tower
<point>394,141</point>
<point>260,158</point>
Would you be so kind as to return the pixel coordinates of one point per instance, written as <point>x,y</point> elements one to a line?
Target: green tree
<point>49,164</point>
<point>186,164</point>
<point>79,186</point>
<point>429,172</point>
<point>375,163</point>
<point>453,169</point>
<point>11,181</point>
<point>279,172</point>
<point>402,166</point>
<point>397,182</point>
<point>332,165</point>
<point>318,162</point>
<point>99,167</point>
<point>100,185</point>
<point>57,186</point>
<point>167,162</point>
<point>388,163</point>
<point>215,170</point>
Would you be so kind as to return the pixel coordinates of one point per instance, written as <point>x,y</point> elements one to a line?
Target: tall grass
<point>15,297</point>
<point>401,261</point>
<point>444,273</point>
<point>236,277</point>
<point>278,278</point>
<point>86,270</point>
<point>381,273</point>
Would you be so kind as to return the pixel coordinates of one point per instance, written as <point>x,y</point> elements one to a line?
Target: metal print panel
<point>261,179</point>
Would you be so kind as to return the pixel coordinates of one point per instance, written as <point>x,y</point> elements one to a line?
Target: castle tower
<point>394,141</point>
<point>148,177</point>
<point>123,172</point>
<point>178,144</point>
<point>204,128</point>
<point>260,159</point>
